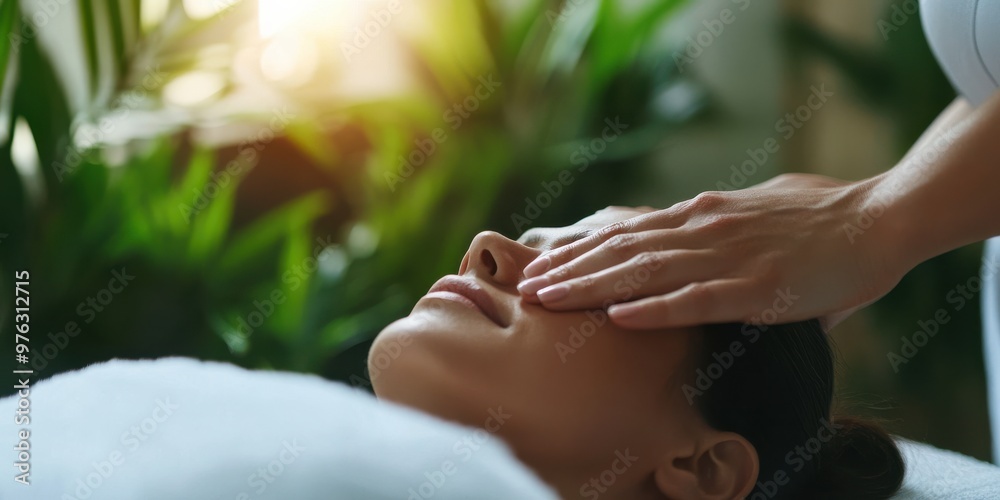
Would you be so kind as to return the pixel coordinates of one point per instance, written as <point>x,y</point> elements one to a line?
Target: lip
<point>467,292</point>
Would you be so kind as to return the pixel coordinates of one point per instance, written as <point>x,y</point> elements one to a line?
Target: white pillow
<point>178,428</point>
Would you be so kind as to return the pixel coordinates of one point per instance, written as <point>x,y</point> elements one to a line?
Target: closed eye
<point>532,240</point>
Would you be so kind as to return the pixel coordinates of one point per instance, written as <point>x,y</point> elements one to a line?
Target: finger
<point>662,219</point>
<point>613,252</point>
<point>645,275</point>
<point>719,301</point>
<point>559,256</point>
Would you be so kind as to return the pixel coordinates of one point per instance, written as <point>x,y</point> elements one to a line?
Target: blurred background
<point>271,182</point>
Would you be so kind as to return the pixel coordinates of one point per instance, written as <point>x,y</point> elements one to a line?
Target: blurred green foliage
<point>354,205</point>
<point>322,236</point>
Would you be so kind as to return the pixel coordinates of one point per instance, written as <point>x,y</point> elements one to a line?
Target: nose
<point>493,257</point>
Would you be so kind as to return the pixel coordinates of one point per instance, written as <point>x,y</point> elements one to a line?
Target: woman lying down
<point>719,412</point>
<point>552,404</point>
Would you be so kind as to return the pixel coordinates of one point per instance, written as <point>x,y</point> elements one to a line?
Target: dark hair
<point>777,392</point>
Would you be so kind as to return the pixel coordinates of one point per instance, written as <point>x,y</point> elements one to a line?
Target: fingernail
<point>532,286</point>
<point>553,293</point>
<point>531,299</point>
<point>622,310</point>
<point>537,267</point>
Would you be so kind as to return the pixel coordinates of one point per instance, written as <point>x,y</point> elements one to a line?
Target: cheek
<point>603,382</point>
<point>584,389</point>
<point>609,394</point>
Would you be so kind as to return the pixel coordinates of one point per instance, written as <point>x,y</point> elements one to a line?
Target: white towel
<point>934,474</point>
<point>178,428</point>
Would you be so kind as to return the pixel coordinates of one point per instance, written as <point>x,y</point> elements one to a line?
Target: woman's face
<point>569,391</point>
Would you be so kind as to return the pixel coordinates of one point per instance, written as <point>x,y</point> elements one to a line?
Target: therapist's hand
<point>779,252</point>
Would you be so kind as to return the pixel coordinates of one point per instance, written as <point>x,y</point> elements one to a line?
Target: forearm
<point>942,130</point>
<point>943,195</point>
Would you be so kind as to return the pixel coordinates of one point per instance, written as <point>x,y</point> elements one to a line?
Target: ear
<point>721,467</point>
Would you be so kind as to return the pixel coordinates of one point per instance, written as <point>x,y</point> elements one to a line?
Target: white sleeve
<point>965,38</point>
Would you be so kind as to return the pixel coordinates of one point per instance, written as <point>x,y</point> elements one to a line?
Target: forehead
<point>545,238</point>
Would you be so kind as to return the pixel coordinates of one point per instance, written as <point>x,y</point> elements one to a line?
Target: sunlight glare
<point>193,88</point>
<point>289,58</point>
<point>152,12</point>
<point>203,9</point>
<point>317,17</point>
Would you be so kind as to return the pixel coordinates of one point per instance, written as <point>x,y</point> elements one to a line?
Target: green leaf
<point>198,173</point>
<point>313,142</point>
<point>89,31</point>
<point>649,19</point>
<point>617,38</point>
<point>49,118</point>
<point>129,19</point>
<point>211,225</point>
<point>295,278</point>
<point>117,23</point>
<point>8,20</point>
<point>569,39</point>
<point>264,234</point>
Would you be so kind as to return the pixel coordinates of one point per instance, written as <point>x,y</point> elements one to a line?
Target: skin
<point>836,246</point>
<point>570,415</point>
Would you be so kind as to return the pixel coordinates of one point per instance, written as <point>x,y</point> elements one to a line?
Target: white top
<point>964,36</point>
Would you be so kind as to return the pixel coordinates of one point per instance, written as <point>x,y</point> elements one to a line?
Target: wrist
<point>884,224</point>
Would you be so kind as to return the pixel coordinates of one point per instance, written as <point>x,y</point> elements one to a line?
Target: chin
<point>405,358</point>
<point>387,353</point>
<point>425,367</point>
